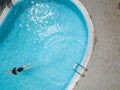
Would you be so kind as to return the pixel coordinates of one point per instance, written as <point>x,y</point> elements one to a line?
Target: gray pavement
<point>104,65</point>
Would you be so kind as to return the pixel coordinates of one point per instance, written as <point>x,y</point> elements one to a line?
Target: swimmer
<point>20,69</point>
<point>16,70</point>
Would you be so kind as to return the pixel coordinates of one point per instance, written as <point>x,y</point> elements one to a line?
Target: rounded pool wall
<point>79,8</point>
<point>86,58</point>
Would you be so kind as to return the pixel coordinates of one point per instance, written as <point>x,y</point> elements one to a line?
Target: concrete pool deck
<point>104,65</point>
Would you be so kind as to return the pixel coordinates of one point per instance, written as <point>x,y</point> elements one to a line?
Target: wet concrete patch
<point>95,42</point>
<point>119,6</point>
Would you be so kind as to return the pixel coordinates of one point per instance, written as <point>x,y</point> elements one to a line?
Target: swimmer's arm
<point>27,66</point>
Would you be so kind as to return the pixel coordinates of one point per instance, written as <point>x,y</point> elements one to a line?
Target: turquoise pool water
<point>51,35</point>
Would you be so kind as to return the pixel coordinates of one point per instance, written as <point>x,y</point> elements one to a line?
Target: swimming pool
<point>51,35</point>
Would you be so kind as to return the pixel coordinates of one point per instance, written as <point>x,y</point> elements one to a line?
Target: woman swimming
<point>16,70</point>
<point>20,69</point>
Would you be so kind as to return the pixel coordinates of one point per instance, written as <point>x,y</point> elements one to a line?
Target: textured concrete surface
<point>104,65</point>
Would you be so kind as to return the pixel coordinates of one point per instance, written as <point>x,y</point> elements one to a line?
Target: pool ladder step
<point>75,66</point>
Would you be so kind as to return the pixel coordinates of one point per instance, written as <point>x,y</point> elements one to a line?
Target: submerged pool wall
<point>5,12</point>
<point>4,15</point>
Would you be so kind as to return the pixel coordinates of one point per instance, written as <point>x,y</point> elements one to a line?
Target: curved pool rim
<point>90,41</point>
<point>88,53</point>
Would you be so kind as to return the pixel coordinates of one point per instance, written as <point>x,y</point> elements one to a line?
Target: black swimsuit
<point>14,71</point>
<point>20,69</point>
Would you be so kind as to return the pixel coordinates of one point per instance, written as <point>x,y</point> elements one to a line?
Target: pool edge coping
<point>90,47</point>
<point>5,12</point>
